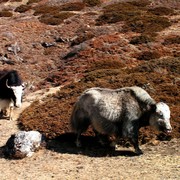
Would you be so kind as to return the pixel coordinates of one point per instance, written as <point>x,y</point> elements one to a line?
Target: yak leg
<point>4,113</point>
<point>132,131</point>
<point>1,113</point>
<point>114,142</point>
<point>78,141</point>
<point>103,139</point>
<point>135,143</point>
<point>10,113</point>
<point>80,123</point>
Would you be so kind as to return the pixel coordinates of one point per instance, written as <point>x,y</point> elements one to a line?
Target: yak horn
<point>7,84</point>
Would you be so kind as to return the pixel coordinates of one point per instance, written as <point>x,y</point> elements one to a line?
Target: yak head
<point>160,117</point>
<point>17,93</point>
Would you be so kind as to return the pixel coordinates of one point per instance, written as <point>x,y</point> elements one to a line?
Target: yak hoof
<point>78,143</point>
<point>113,145</point>
<point>138,152</point>
<point>10,119</point>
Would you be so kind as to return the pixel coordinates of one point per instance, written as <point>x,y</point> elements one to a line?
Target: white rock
<point>23,144</point>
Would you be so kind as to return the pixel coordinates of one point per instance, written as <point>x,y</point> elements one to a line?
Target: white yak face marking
<point>18,92</point>
<point>163,110</point>
<point>161,118</point>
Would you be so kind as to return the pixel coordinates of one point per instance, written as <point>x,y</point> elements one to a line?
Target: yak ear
<point>153,107</point>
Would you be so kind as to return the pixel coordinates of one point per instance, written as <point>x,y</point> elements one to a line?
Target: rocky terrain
<point>62,47</point>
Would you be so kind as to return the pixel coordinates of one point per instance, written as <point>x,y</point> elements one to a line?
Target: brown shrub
<point>15,0</point>
<point>171,65</point>
<point>143,39</point>
<point>76,6</point>
<point>148,55</point>
<point>54,19</point>
<point>140,3</point>
<point>82,38</point>
<point>3,1</point>
<point>45,9</point>
<point>136,19</point>
<point>160,11</point>
<point>107,64</point>
<point>22,8</point>
<point>33,1</point>
<point>117,12</point>
<point>172,40</point>
<point>147,24</point>
<point>92,3</point>
<point>6,13</point>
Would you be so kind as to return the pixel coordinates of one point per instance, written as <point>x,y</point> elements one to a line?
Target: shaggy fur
<point>119,112</point>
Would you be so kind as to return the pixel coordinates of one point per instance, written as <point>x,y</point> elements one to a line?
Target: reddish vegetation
<point>52,116</point>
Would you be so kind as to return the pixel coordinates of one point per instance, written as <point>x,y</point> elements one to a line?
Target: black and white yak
<point>11,91</point>
<point>120,112</point>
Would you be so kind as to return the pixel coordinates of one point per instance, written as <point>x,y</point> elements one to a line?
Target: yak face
<point>160,119</point>
<point>18,92</point>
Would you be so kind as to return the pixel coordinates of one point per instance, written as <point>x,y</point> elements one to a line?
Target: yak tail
<point>79,119</point>
<point>73,117</point>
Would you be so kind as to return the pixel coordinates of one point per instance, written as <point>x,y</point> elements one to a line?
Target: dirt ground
<point>62,160</point>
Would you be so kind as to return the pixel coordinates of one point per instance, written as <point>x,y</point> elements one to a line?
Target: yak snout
<point>160,119</point>
<point>164,125</point>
